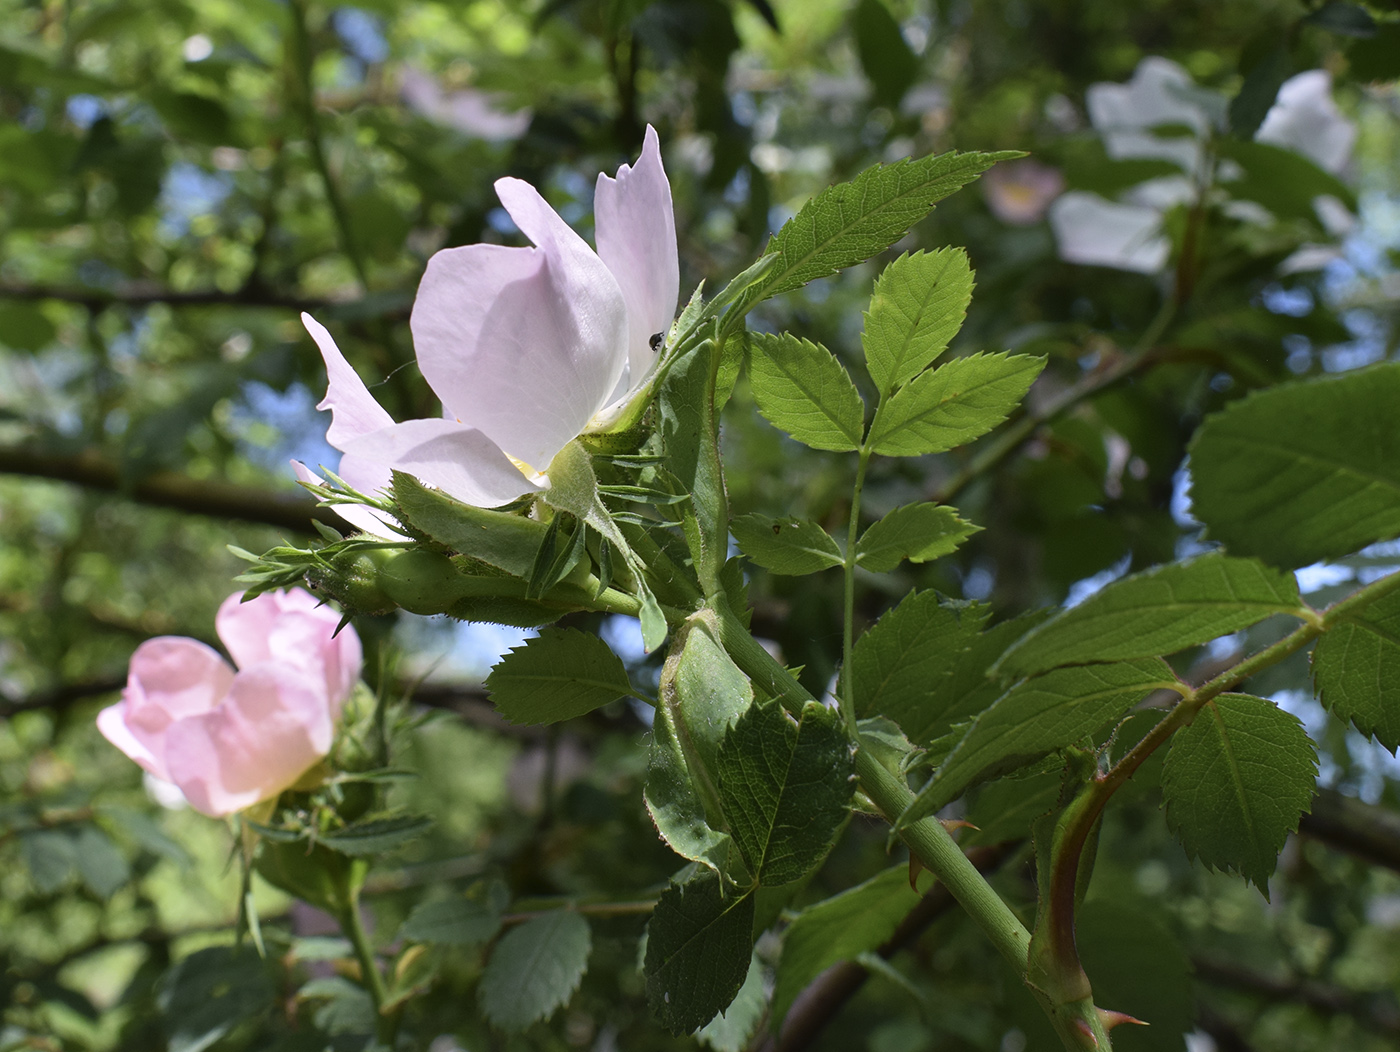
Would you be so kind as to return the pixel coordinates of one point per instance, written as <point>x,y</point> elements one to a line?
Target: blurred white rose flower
<point>1162,114</point>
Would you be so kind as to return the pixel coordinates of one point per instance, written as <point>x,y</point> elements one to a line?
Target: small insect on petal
<point>656,339</point>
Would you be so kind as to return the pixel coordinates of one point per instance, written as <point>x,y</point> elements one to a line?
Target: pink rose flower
<point>226,738</point>
<point>526,347</point>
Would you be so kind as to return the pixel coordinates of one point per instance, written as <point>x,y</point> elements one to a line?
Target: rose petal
<point>345,658</point>
<point>636,231</point>
<point>367,520</point>
<point>274,724</point>
<point>354,412</point>
<point>170,678</point>
<point>460,461</point>
<point>111,721</point>
<point>523,344</point>
<point>244,627</point>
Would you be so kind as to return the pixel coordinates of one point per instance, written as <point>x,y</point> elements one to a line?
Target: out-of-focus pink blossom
<point>526,347</point>
<point>1019,193</point>
<point>227,738</point>
<point>469,110</point>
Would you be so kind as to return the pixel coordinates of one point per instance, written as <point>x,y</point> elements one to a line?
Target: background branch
<point>142,295</point>
<point>1369,832</point>
<point>168,489</point>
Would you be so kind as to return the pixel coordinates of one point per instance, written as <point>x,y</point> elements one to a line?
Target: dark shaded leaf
<point>1236,782</point>
<point>699,943</point>
<point>1304,471</point>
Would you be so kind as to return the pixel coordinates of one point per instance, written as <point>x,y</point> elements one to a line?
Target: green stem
<point>371,978</point>
<point>936,850</point>
<point>848,569</point>
<point>1085,811</point>
<point>927,840</point>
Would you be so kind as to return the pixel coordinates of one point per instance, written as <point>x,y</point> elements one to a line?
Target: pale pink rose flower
<point>526,347</point>
<point>1019,193</point>
<point>227,738</point>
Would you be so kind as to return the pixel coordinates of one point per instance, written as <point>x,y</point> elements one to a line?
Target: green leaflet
<point>840,929</point>
<point>1356,667</point>
<point>1282,180</point>
<point>848,223</point>
<point>534,970</point>
<point>786,546</point>
<point>699,944</point>
<point>50,856</point>
<point>702,692</point>
<point>898,664</point>
<point>102,866</point>
<point>376,836</point>
<point>953,404</point>
<point>785,788</point>
<point>1235,783</point>
<point>211,992</point>
<point>917,532</point>
<point>1303,471</point>
<point>919,304</point>
<point>507,542</point>
<point>1160,611</point>
<point>801,388</point>
<point>463,920</point>
<point>1036,717</point>
<point>559,674</point>
<point>731,1029</point>
<point>967,689</point>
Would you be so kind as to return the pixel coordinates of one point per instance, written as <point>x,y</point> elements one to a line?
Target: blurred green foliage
<point>180,177</point>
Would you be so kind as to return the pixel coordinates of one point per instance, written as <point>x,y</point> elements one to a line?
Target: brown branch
<point>827,994</point>
<point>1370,833</point>
<point>60,696</point>
<point>168,489</point>
<point>1380,1014</point>
<point>145,295</point>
